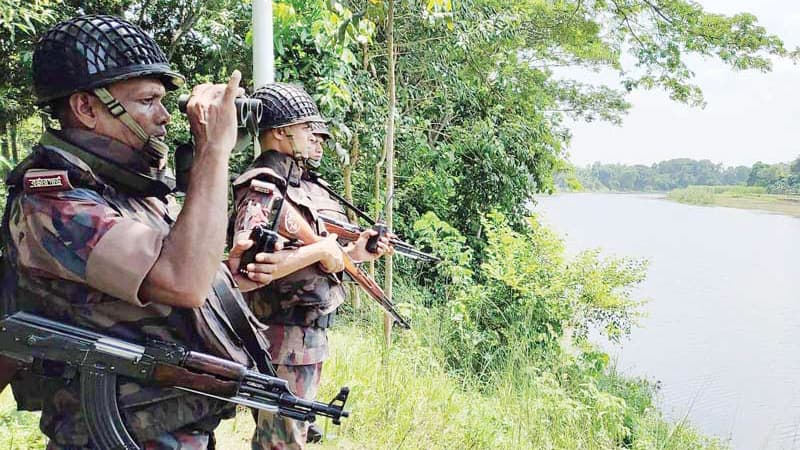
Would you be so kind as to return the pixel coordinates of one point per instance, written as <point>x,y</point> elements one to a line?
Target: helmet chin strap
<point>297,154</point>
<point>155,149</point>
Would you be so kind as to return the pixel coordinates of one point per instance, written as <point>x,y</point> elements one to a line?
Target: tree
<point>19,23</point>
<point>766,174</point>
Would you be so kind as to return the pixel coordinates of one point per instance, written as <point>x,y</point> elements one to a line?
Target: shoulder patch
<point>42,180</point>
<point>259,173</point>
<point>263,187</point>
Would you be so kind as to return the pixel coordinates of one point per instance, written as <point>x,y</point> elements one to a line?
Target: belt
<point>323,322</point>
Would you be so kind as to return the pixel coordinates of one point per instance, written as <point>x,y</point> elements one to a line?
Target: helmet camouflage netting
<point>91,51</point>
<point>286,104</point>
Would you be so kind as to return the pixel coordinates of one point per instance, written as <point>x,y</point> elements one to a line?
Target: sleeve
<point>77,236</point>
<point>254,206</point>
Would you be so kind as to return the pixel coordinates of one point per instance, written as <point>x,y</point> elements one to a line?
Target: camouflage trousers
<point>274,432</point>
<point>178,440</point>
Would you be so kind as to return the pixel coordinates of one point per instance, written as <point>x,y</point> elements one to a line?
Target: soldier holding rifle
<point>93,238</point>
<point>297,307</point>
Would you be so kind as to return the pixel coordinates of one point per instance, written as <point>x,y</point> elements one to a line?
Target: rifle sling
<point>242,326</point>
<point>317,179</point>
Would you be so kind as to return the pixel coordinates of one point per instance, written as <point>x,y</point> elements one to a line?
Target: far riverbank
<point>742,197</point>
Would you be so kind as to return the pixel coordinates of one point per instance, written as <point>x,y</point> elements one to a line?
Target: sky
<point>750,116</point>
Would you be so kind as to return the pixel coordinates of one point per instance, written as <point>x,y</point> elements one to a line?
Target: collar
<point>113,162</point>
<point>284,165</point>
<point>113,150</point>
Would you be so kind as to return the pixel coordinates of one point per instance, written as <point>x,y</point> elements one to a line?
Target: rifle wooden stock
<point>343,233</point>
<point>176,376</point>
<point>292,225</point>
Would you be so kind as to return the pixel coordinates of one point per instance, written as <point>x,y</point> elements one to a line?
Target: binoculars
<point>248,111</point>
<point>248,114</point>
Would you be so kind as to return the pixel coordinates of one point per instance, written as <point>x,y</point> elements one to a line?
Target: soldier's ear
<point>84,109</point>
<point>278,133</point>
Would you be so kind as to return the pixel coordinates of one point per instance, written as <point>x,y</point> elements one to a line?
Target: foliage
<point>781,178</point>
<point>537,391</point>
<point>528,293</point>
<point>17,17</point>
<point>19,430</point>
<point>662,176</point>
<point>20,23</point>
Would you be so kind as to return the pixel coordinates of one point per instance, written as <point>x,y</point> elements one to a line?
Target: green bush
<point>525,292</point>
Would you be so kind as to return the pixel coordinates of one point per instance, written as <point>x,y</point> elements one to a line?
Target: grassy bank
<point>744,197</point>
<point>403,398</point>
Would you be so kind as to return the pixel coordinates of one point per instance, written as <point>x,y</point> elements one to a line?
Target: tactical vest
<point>308,297</point>
<point>205,329</point>
<point>322,201</point>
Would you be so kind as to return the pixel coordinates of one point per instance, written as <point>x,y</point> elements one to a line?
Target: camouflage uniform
<point>79,247</point>
<point>298,308</point>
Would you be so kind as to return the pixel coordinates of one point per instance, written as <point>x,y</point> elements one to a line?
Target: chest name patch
<point>262,186</point>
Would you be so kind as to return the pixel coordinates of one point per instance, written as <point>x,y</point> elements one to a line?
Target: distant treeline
<point>781,178</point>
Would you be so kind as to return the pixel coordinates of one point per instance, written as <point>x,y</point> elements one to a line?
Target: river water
<point>722,332</point>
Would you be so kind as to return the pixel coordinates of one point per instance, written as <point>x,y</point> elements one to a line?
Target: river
<point>722,331</point>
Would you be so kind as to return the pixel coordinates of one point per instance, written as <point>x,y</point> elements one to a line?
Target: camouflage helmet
<point>284,105</point>
<point>92,51</point>
<point>321,129</point>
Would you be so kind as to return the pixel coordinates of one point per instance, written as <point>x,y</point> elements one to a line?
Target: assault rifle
<point>290,224</point>
<point>99,359</point>
<point>349,232</point>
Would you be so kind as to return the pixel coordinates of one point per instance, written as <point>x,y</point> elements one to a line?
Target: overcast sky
<point>750,116</point>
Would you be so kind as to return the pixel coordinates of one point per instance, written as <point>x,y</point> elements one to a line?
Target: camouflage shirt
<point>291,305</point>
<point>79,247</point>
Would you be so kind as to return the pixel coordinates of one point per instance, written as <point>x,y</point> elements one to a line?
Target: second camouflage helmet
<point>284,105</point>
<point>91,51</point>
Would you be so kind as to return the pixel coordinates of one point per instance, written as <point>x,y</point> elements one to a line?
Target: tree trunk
<point>13,143</point>
<point>4,147</point>
<point>377,210</point>
<point>186,25</point>
<point>347,173</point>
<point>387,319</point>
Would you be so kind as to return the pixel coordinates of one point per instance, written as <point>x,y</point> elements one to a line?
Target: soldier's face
<point>142,98</point>
<point>303,137</point>
<point>317,151</point>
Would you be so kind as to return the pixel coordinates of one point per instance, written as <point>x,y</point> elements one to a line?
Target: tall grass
<point>18,430</point>
<point>742,197</point>
<point>404,398</point>
<point>708,195</point>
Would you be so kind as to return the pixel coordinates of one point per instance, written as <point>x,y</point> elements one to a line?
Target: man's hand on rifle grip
<point>259,273</point>
<point>358,250</point>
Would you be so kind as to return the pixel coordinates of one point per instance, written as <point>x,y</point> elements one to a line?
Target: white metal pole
<point>263,53</point>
